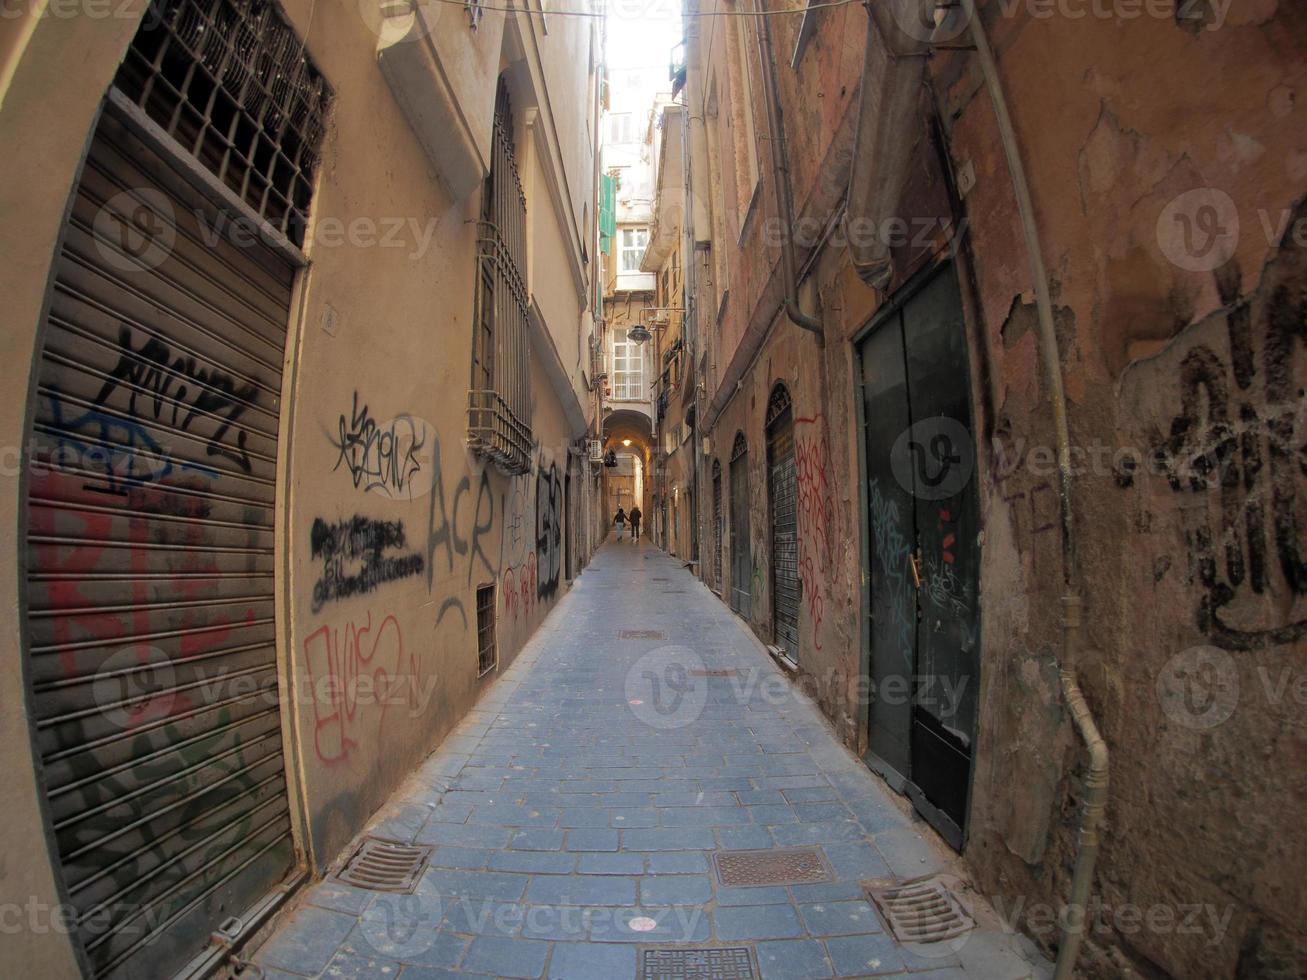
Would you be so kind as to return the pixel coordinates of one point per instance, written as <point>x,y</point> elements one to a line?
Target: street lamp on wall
<point>639,334</point>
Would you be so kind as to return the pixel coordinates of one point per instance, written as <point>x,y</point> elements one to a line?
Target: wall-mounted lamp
<point>626,442</point>
<point>639,334</point>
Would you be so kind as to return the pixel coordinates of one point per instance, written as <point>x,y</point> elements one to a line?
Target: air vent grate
<point>386,865</point>
<point>726,963</point>
<point>922,912</point>
<point>794,866</point>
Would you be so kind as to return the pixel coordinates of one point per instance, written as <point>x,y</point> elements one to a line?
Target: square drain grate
<point>793,866</point>
<point>922,912</point>
<point>641,635</point>
<point>726,963</point>
<point>386,865</point>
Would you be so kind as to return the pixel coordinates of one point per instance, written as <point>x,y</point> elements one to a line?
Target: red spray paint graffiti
<point>817,519</point>
<point>352,670</point>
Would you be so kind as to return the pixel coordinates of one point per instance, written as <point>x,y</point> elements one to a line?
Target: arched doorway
<point>741,556</point>
<point>717,524</point>
<point>782,493</point>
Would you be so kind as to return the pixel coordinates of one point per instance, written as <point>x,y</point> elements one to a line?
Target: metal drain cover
<point>715,672</point>
<point>727,963</point>
<point>922,912</point>
<point>641,635</point>
<point>386,865</point>
<point>794,866</point>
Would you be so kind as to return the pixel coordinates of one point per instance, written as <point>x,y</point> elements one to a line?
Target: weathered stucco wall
<point>1166,154</point>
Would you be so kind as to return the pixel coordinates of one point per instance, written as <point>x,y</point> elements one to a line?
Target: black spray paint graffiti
<point>354,559</point>
<point>549,530</point>
<point>382,457</point>
<point>1247,449</point>
<point>443,526</point>
<point>175,390</point>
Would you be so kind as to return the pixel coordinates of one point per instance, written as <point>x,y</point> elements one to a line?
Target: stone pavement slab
<point>575,814</point>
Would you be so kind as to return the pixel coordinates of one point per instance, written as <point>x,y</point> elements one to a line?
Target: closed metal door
<point>924,521</point>
<point>717,522</point>
<point>150,618</point>
<point>782,489</point>
<point>741,552</point>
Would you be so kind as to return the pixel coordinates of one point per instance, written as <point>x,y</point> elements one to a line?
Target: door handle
<point>916,571</point>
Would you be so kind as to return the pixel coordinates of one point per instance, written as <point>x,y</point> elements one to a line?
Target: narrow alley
<point>653,489</point>
<point>602,806</point>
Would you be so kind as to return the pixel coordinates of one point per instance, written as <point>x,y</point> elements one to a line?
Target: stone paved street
<point>576,812</point>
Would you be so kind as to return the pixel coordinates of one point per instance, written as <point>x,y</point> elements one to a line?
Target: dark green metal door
<point>923,518</point>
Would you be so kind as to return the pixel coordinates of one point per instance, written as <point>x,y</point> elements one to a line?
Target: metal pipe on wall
<point>1096,779</point>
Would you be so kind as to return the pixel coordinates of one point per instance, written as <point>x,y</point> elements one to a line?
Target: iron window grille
<point>230,81</point>
<point>778,404</point>
<point>740,447</point>
<point>499,400</point>
<point>487,649</point>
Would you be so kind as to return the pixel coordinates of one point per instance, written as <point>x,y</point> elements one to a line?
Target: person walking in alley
<point>620,522</point>
<point>635,524</point>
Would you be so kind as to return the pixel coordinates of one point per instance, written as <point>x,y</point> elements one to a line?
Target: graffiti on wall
<point>178,392</point>
<point>383,457</point>
<point>354,667</point>
<point>817,518</point>
<point>1235,454</point>
<point>893,551</point>
<point>358,556</point>
<point>549,530</point>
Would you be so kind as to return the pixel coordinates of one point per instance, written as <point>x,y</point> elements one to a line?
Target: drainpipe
<point>1096,780</point>
<point>781,180</point>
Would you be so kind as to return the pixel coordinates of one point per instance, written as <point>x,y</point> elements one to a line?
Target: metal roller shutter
<point>783,490</point>
<point>150,618</point>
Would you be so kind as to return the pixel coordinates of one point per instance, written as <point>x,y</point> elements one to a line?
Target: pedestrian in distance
<point>635,524</point>
<point>620,522</point>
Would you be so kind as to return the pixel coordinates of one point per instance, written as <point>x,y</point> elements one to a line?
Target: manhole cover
<point>722,672</point>
<point>641,635</point>
<point>923,912</point>
<point>386,865</point>
<point>795,866</point>
<point>728,963</point>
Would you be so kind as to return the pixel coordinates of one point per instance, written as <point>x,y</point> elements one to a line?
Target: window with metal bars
<point>230,81</point>
<point>487,651</point>
<point>499,401</point>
